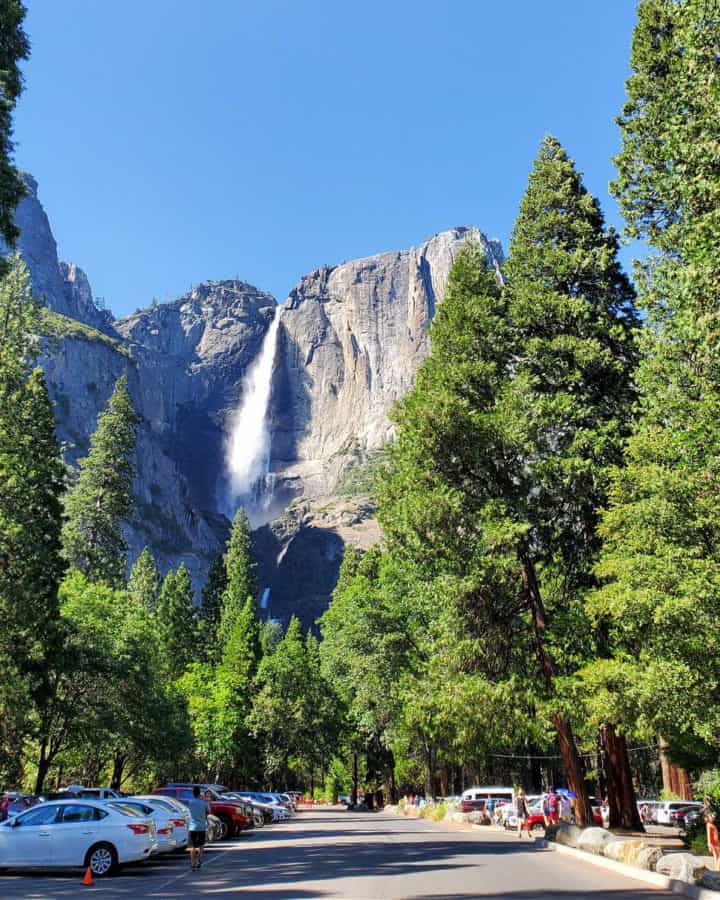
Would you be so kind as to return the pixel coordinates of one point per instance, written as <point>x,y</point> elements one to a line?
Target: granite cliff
<point>350,340</point>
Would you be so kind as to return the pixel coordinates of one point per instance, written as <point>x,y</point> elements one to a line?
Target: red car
<point>234,814</point>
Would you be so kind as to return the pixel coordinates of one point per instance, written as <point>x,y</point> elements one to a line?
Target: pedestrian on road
<point>553,803</point>
<point>712,839</point>
<point>521,812</point>
<point>197,831</point>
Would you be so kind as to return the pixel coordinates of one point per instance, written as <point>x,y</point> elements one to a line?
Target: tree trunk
<point>42,770</point>
<point>354,793</point>
<point>429,772</point>
<point>675,779</point>
<point>572,760</point>
<point>119,761</point>
<point>622,803</point>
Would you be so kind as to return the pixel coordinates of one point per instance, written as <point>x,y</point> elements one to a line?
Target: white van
<point>484,797</point>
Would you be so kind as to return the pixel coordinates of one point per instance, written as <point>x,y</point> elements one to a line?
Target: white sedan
<point>165,840</point>
<point>75,833</point>
<point>178,813</point>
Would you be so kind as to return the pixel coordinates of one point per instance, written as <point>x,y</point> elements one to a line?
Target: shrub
<point>439,812</point>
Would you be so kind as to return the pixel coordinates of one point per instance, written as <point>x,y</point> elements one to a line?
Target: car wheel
<point>102,860</point>
<point>259,819</point>
<point>228,829</point>
<point>538,827</point>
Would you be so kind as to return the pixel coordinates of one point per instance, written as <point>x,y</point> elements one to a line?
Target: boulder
<point>569,835</point>
<point>647,858</point>
<point>594,840</point>
<point>681,867</point>
<point>623,851</point>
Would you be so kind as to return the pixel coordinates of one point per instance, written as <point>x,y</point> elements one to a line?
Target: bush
<point>439,812</point>
<point>401,803</point>
<point>426,811</point>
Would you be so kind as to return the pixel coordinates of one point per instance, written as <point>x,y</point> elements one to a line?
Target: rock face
<point>352,338</point>
<point>192,354</point>
<point>350,341</point>
<point>64,286</point>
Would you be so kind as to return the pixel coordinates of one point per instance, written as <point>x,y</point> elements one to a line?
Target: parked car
<point>668,807</point>
<point>165,841</point>
<point>231,813</point>
<point>476,798</point>
<point>179,816</point>
<point>261,813</point>
<point>280,811</point>
<point>14,802</point>
<point>100,793</point>
<point>75,833</point>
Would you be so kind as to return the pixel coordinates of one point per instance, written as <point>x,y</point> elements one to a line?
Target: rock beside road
<point>681,867</point>
<point>594,840</point>
<point>568,835</point>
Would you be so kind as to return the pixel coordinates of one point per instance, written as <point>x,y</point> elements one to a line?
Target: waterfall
<point>247,449</point>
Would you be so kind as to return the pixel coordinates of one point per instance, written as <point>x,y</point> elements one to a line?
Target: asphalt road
<point>361,856</point>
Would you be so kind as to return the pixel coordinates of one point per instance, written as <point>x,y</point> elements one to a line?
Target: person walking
<point>521,812</point>
<point>197,831</point>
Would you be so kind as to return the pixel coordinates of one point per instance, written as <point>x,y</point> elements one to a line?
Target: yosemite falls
<point>247,451</point>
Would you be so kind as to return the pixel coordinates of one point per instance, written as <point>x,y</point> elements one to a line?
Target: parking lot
<point>166,876</point>
<point>330,853</point>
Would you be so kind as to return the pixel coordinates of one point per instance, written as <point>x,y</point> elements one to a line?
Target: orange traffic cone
<point>88,876</point>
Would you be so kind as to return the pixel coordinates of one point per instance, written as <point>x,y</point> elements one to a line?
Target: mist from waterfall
<point>247,449</point>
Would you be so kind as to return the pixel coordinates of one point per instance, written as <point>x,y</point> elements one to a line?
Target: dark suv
<point>235,815</point>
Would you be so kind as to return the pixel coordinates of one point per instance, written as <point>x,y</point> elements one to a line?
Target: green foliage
<point>661,604</point>
<point>101,498</point>
<point>211,602</point>
<point>177,623</point>
<point>240,573</point>
<point>144,581</point>
<point>14,47</point>
<point>57,326</point>
<point>31,484</point>
<point>294,714</point>
<point>439,812</point>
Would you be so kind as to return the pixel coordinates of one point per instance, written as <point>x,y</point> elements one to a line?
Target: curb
<point>653,878</point>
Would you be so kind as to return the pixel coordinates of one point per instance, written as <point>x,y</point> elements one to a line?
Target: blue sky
<point>177,141</point>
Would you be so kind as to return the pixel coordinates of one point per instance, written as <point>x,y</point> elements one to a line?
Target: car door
<point>75,832</point>
<point>27,840</point>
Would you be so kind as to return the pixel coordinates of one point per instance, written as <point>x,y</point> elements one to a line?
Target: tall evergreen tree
<point>144,581</point>
<point>101,498</point>
<point>504,445</point>
<point>572,391</point>
<point>31,484</point>
<point>240,572</point>
<point>14,47</point>
<point>176,615</point>
<point>661,602</point>
<point>212,599</point>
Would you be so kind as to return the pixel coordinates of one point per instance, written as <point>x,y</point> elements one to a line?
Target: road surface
<point>357,856</point>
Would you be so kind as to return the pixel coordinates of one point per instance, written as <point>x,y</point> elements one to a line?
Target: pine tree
<point>240,571</point>
<point>661,603</point>
<point>101,499</point>
<point>212,599</point>
<point>31,484</point>
<point>504,446</point>
<point>571,393</point>
<point>144,581</point>
<point>14,46</point>
<point>178,625</point>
